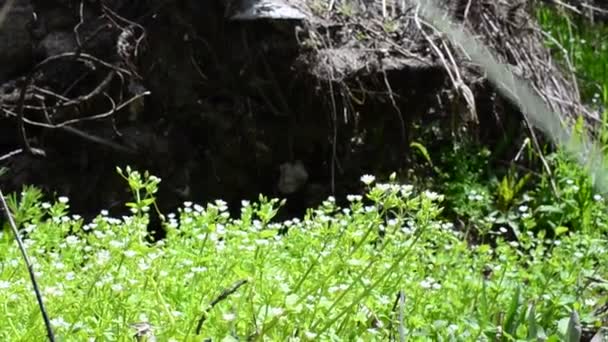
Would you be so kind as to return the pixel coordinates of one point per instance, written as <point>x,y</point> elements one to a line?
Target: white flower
<point>70,276</point>
<point>63,199</point>
<point>310,335</point>
<point>354,198</point>
<point>59,322</point>
<point>71,240</point>
<point>187,204</point>
<point>432,195</point>
<point>228,317</point>
<point>523,208</point>
<point>276,311</point>
<point>142,265</point>
<point>104,212</point>
<point>102,257</point>
<point>367,179</point>
<point>199,269</point>
<point>116,287</point>
<point>46,205</point>
<point>4,284</point>
<point>597,197</point>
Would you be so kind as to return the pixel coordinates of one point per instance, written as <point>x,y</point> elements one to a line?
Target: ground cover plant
<point>385,265</point>
<point>503,255</point>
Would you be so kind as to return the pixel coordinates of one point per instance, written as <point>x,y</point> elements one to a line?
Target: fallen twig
<point>227,292</point>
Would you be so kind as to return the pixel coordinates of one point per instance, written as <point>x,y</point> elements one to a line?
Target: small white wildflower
<point>46,205</point>
<point>261,242</point>
<point>116,287</point>
<point>447,225</point>
<point>514,244</point>
<point>228,317</point>
<point>129,253</point>
<point>503,230</point>
<point>63,199</point>
<point>276,311</point>
<point>104,212</point>
<point>53,291</point>
<point>354,198</point>
<point>72,240</point>
<point>59,265</point>
<point>59,322</point>
<point>523,208</point>
<point>310,335</point>
<point>433,196</point>
<point>597,197</point>
<point>199,269</point>
<point>117,244</point>
<point>76,217</point>
<point>367,179</point>
<point>142,265</point>
<point>70,276</point>
<point>187,204</point>
<point>4,284</point>
<point>102,257</point>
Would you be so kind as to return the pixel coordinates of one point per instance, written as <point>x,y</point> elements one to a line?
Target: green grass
<point>584,45</point>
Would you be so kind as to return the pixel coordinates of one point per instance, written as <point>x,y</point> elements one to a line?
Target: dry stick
<point>10,154</point>
<point>227,292</point>
<point>78,56</point>
<point>45,316</point>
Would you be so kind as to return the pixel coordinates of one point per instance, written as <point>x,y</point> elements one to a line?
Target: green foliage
<point>583,44</point>
<point>333,276</point>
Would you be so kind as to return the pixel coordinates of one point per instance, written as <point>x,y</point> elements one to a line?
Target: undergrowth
<point>388,263</point>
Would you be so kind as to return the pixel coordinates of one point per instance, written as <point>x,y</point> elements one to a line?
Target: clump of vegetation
<point>387,264</point>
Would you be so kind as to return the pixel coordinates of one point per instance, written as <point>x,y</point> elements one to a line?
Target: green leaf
<point>422,150</point>
<point>532,327</point>
<point>573,334</point>
<point>561,230</point>
<point>510,324</point>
